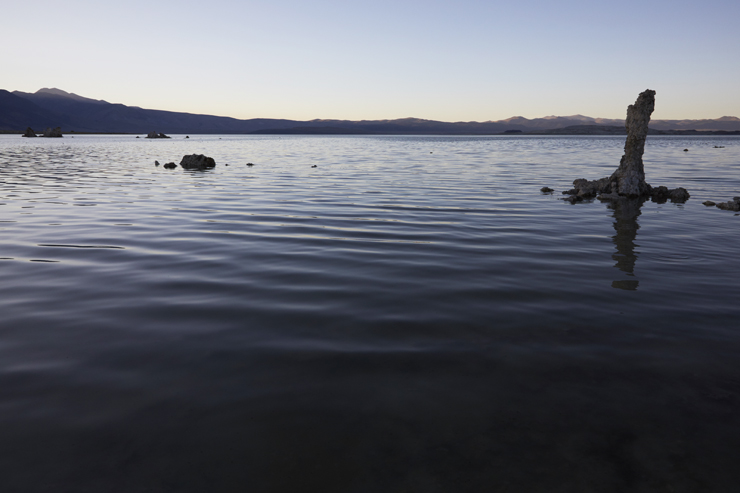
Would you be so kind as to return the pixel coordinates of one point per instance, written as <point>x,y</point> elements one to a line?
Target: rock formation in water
<point>30,133</point>
<point>156,135</point>
<point>53,132</point>
<point>170,166</point>
<point>629,178</point>
<point>732,205</point>
<point>197,161</point>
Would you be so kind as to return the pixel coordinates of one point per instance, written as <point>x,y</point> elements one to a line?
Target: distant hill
<point>51,107</point>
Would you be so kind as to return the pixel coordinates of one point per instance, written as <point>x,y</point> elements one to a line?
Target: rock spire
<point>628,181</point>
<point>630,176</point>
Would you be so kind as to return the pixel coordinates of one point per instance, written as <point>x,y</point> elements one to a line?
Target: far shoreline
<point>578,130</point>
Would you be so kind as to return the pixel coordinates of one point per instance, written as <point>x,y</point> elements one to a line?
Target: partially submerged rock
<point>546,190</point>
<point>197,161</point>
<point>53,132</point>
<point>155,135</point>
<point>732,205</point>
<point>170,166</point>
<point>30,133</point>
<point>663,194</point>
<point>628,181</point>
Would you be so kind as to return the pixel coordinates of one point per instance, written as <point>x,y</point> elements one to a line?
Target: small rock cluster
<point>732,205</point>
<point>30,133</point>
<point>192,161</point>
<point>53,132</point>
<point>156,135</point>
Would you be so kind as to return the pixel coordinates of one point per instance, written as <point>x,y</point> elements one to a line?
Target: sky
<point>466,60</point>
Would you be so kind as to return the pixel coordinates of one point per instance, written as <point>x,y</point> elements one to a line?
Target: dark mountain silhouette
<point>18,113</point>
<point>54,107</point>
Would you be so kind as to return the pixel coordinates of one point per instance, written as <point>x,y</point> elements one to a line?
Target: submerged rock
<point>709,203</point>
<point>53,132</point>
<point>30,133</point>
<point>156,163</point>
<point>170,166</point>
<point>546,190</point>
<point>155,135</point>
<point>197,161</point>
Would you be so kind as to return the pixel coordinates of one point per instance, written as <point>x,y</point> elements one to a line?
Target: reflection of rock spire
<point>626,212</point>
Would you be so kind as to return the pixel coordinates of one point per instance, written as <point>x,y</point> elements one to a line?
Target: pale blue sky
<point>462,61</point>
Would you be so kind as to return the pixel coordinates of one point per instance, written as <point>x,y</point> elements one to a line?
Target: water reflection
<point>626,212</point>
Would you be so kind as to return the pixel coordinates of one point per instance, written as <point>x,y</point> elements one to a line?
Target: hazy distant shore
<point>77,114</point>
<point>575,130</point>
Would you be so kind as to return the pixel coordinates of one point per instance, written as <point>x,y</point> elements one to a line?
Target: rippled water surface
<point>361,314</point>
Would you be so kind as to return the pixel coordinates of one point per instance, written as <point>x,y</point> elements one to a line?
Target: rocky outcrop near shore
<point>732,205</point>
<point>53,132</point>
<point>628,181</point>
<point>197,161</point>
<point>157,135</point>
<point>29,133</point>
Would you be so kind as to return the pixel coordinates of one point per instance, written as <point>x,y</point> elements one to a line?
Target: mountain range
<point>57,108</point>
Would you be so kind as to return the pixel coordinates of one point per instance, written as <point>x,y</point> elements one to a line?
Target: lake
<point>365,314</point>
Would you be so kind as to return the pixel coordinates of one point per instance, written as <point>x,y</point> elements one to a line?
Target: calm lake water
<point>412,314</point>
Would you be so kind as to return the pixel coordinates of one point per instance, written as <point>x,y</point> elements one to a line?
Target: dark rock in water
<point>156,163</point>
<point>709,203</point>
<point>197,161</point>
<point>137,136</point>
<point>588,189</point>
<point>679,195</point>
<point>250,164</point>
<point>187,136</point>
<point>573,199</point>
<point>732,205</point>
<point>155,135</point>
<point>314,166</point>
<point>170,166</point>
<point>685,150</point>
<point>662,194</point>
<point>53,132</point>
<point>546,190</point>
<point>30,133</point>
